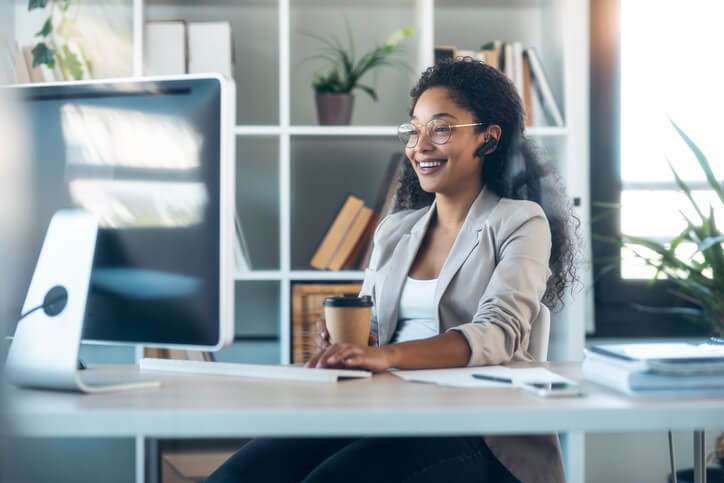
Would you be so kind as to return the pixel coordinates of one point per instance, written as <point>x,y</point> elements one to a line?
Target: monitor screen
<point>147,158</point>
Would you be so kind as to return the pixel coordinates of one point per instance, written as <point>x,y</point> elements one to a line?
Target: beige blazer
<point>489,289</point>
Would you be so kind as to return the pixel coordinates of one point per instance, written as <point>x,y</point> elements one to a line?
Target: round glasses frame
<point>438,131</point>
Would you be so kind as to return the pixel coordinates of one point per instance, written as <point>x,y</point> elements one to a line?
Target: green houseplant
<point>58,47</point>
<point>334,88</point>
<point>699,280</point>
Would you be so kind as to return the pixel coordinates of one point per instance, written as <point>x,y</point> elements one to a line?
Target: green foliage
<point>700,279</point>
<point>42,54</point>
<point>47,28</point>
<point>72,63</point>
<point>344,70</point>
<point>48,51</point>
<point>33,4</point>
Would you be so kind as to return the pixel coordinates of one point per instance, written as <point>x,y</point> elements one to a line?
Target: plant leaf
<point>33,4</point>
<point>703,162</point>
<point>73,63</point>
<point>710,242</point>
<point>685,188</point>
<point>399,35</point>
<point>42,54</point>
<point>370,91</point>
<point>668,258</point>
<point>47,28</point>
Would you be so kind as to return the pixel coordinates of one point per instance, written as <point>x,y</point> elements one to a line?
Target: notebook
<point>663,358</point>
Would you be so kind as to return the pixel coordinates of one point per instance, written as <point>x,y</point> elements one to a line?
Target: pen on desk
<point>485,377</point>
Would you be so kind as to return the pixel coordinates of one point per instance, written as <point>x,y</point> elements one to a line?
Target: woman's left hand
<point>348,356</point>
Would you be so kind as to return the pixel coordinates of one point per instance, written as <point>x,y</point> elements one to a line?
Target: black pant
<point>316,460</point>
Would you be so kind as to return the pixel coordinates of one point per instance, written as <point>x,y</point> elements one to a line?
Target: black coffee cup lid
<point>348,301</point>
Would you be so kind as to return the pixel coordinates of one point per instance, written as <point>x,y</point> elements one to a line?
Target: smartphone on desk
<point>554,389</point>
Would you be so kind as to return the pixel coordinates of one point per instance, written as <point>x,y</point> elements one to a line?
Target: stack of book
<point>522,66</point>
<point>662,368</point>
<point>175,46</point>
<point>345,236</point>
<point>348,241</point>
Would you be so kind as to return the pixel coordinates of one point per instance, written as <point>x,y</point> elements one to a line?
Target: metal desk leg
<point>699,457</point>
<point>140,458</point>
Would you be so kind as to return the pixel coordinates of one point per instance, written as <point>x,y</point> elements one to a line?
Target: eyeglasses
<point>438,130</point>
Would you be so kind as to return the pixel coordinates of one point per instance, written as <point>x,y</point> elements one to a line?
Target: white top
<point>417,319</point>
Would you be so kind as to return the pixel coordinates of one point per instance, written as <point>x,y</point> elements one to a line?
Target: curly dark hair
<point>516,169</point>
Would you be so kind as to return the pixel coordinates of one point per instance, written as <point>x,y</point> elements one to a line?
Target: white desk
<point>189,406</point>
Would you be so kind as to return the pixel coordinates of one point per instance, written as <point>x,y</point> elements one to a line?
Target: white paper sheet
<point>463,377</point>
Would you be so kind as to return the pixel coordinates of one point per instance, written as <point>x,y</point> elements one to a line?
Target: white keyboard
<point>262,371</point>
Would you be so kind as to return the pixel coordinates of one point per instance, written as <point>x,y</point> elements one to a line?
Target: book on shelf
<point>542,85</point>
<point>242,258</point>
<point>493,53</point>
<point>505,56</point>
<point>21,68</point>
<point>451,52</point>
<point>351,239</point>
<point>211,48</point>
<point>336,233</point>
<point>307,308</point>
<point>165,49</point>
<point>176,46</point>
<point>527,92</point>
<point>40,73</point>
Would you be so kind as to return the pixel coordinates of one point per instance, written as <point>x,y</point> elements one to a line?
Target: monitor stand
<point>44,351</point>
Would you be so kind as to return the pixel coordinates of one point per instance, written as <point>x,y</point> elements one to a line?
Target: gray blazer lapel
<point>400,263</point>
<point>466,241</point>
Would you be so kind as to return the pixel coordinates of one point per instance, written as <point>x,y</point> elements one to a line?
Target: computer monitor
<point>153,159</point>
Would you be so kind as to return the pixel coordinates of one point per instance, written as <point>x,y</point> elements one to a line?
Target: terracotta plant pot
<point>334,109</point>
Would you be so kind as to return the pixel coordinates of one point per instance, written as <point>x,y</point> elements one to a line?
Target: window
<point>670,69</point>
<point>651,61</point>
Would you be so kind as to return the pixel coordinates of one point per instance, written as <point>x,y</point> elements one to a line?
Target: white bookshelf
<point>276,98</point>
<point>277,123</point>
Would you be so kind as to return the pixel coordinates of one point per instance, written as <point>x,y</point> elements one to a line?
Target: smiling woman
<point>506,161</point>
<point>480,239</point>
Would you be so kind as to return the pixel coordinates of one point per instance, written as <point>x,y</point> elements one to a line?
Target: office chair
<point>540,334</point>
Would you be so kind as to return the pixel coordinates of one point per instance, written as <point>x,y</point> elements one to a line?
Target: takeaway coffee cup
<point>348,318</point>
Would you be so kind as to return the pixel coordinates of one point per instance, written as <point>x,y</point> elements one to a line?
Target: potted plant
<point>333,89</point>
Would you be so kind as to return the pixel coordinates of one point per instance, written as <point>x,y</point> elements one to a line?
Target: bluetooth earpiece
<point>489,144</point>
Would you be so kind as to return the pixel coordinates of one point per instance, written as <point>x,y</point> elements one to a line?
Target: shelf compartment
<point>323,172</point>
<point>368,27</point>
<point>533,23</point>
<point>255,33</point>
<point>257,198</point>
<point>257,311</point>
